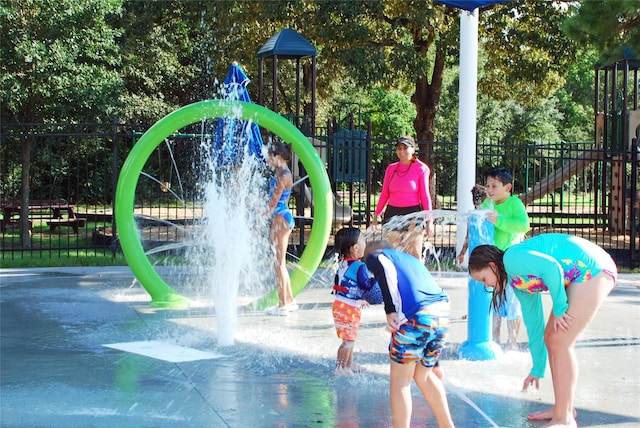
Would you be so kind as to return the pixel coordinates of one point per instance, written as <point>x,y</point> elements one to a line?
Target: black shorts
<point>392,211</point>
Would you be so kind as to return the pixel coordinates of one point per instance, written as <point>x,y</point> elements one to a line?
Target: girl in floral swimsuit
<point>578,276</point>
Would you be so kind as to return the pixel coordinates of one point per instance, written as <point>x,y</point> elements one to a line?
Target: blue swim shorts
<point>422,337</point>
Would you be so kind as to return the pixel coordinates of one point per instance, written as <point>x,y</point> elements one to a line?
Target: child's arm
<point>463,250</point>
<point>384,194</point>
<point>533,316</point>
<point>374,265</point>
<point>365,282</point>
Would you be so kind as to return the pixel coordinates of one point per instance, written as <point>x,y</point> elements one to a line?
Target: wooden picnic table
<point>57,211</point>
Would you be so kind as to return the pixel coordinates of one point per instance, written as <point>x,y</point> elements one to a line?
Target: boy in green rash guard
<point>510,219</point>
<point>509,213</point>
<point>578,275</point>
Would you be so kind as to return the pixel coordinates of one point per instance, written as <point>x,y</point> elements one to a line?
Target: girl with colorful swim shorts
<point>578,275</point>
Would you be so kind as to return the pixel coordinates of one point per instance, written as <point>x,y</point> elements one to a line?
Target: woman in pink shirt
<point>405,190</point>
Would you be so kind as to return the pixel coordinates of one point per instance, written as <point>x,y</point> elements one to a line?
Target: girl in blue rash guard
<point>418,318</point>
<point>578,276</point>
<point>279,155</point>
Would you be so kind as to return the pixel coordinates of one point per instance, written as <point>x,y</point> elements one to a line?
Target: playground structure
<point>617,129</point>
<point>287,44</point>
<point>342,214</point>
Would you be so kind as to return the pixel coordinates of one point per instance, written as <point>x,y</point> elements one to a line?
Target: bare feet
<point>357,368</point>
<point>544,415</point>
<point>562,424</point>
<point>342,371</point>
<point>354,369</point>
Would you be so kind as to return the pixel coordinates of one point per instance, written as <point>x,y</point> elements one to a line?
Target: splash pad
<point>162,294</point>
<point>479,345</point>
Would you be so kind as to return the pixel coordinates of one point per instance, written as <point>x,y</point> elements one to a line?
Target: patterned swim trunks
<point>346,319</point>
<point>422,337</point>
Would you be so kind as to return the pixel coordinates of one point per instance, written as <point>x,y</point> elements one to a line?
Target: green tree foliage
<point>59,63</point>
<point>526,53</point>
<point>59,60</point>
<point>611,27</point>
<point>391,113</point>
<point>157,57</point>
<point>395,44</point>
<point>575,99</point>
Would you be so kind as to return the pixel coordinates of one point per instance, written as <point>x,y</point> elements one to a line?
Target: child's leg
<point>433,391</point>
<point>280,232</point>
<point>514,328</point>
<point>347,322</point>
<point>584,300</point>
<point>437,370</point>
<point>513,314</point>
<point>496,320</point>
<point>400,393</point>
<point>345,354</point>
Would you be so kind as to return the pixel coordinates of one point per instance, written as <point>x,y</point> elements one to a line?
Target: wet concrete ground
<point>81,347</point>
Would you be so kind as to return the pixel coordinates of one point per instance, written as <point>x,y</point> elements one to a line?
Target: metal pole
<point>467,116</point>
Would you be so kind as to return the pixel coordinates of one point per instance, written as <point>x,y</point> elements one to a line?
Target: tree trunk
<point>427,101</point>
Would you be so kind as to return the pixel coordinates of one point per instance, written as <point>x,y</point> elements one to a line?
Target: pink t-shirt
<point>405,189</point>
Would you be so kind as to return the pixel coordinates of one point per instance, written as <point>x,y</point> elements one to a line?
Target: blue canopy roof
<point>470,4</point>
<point>287,44</point>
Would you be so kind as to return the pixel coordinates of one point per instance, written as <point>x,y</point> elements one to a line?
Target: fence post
<point>114,183</point>
<point>635,201</point>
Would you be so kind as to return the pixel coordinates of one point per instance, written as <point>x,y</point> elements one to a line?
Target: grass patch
<point>72,258</point>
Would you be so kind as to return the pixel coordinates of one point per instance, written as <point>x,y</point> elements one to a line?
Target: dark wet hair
<point>280,148</point>
<point>479,259</point>
<point>479,194</point>
<point>501,174</point>
<point>346,238</point>
<point>376,245</point>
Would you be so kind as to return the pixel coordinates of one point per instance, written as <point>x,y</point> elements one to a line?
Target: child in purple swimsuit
<point>578,276</point>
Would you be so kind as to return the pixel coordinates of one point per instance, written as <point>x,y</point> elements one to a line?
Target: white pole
<point>467,116</point>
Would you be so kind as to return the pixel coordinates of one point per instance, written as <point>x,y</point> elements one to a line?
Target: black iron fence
<point>568,187</point>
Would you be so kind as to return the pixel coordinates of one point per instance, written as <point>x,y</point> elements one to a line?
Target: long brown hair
<point>479,259</point>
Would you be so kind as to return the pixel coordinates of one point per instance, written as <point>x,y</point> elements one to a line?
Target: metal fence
<point>567,187</point>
